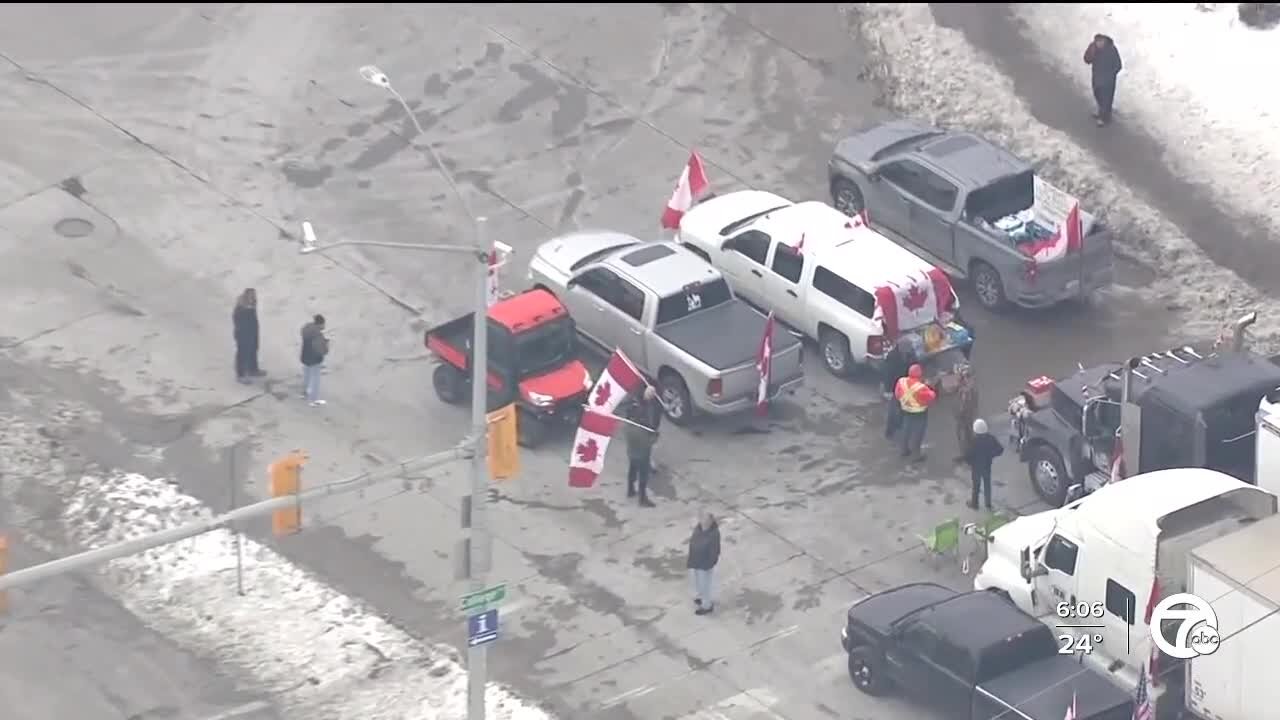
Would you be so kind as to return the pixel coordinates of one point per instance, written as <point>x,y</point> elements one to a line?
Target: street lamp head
<point>374,76</point>
<point>308,243</point>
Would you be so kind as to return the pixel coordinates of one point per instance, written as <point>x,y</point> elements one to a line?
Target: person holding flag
<point>642,434</point>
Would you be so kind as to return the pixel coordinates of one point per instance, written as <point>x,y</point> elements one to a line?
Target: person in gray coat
<point>704,555</point>
<point>642,435</point>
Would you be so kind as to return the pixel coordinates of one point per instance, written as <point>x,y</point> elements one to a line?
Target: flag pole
<point>620,419</point>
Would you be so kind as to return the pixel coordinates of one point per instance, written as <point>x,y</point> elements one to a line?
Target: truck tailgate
<point>1043,690</point>
<point>1082,272</point>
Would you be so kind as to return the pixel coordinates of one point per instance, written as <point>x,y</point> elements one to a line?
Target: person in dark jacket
<point>704,554</point>
<point>896,363</point>
<point>244,330</point>
<point>315,346</point>
<point>1103,57</point>
<point>981,453</point>
<point>642,435</point>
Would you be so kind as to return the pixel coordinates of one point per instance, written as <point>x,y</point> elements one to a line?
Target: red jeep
<point>532,361</point>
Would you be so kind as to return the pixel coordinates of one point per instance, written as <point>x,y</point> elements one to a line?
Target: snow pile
<point>321,654</point>
<point>1195,78</point>
<point>932,73</point>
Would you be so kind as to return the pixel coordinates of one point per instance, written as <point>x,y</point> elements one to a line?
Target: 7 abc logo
<point>1196,622</point>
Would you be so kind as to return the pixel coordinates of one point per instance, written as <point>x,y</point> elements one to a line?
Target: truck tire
<point>847,197</point>
<point>675,397</point>
<point>531,430</point>
<point>866,670</point>
<point>836,356</point>
<point>1048,474</point>
<point>450,384</point>
<point>988,288</point>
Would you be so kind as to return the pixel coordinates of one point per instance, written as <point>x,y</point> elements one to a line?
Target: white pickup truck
<point>829,276</point>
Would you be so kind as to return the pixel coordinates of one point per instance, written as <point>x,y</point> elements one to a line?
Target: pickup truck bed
<point>1043,691</point>
<point>725,336</point>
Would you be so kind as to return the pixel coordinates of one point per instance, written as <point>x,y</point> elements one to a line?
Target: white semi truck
<point>1096,567</point>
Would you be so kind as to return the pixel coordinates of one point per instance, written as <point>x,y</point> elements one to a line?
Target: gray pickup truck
<point>672,314</point>
<point>973,208</point>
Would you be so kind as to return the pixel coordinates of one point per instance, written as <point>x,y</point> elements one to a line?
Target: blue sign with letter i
<point>482,627</point>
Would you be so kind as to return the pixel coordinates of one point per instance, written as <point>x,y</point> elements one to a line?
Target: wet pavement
<point>195,140</point>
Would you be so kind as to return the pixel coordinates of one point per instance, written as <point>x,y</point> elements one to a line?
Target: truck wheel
<point>846,197</point>
<point>987,285</point>
<point>835,352</point>
<point>450,384</point>
<point>675,397</point>
<point>531,430</point>
<point>866,670</point>
<point>1048,475</point>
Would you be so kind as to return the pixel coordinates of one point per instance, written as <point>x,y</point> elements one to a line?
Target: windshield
<point>597,255</point>
<point>545,347</point>
<point>694,298</point>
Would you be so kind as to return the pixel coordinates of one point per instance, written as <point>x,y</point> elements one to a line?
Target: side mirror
<point>1024,564</point>
<point>570,283</point>
<point>873,175</point>
<point>729,244</point>
<point>1074,493</point>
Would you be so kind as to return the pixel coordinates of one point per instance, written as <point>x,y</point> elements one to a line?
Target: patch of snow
<point>320,653</point>
<point>1194,78</point>
<point>933,73</point>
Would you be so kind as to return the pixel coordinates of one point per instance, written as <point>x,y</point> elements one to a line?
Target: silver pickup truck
<point>972,208</point>
<point>672,314</point>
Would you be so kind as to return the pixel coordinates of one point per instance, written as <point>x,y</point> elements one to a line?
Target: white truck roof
<point>843,245</point>
<point>1129,512</point>
<point>1248,556</point>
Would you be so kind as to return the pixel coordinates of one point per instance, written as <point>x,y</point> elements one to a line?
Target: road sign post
<point>480,600</point>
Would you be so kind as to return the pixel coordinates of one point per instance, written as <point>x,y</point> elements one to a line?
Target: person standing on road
<point>642,435</point>
<point>896,363</point>
<point>1104,58</point>
<point>704,554</point>
<point>315,346</point>
<point>966,411</point>
<point>914,398</point>
<point>244,330</point>
<point>980,454</point>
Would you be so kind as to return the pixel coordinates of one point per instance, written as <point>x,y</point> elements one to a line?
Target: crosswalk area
<point>798,673</point>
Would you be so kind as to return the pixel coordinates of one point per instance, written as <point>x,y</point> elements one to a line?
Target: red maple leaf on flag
<point>915,299</point>
<point>603,393</point>
<point>588,451</point>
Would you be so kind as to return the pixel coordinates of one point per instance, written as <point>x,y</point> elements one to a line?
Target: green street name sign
<point>484,598</point>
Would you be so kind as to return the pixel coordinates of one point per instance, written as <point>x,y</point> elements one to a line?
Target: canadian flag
<point>619,379</point>
<point>691,185</point>
<point>1068,238</point>
<point>764,366</point>
<point>590,444</point>
<point>1071,711</point>
<point>1117,459</point>
<point>913,303</point>
<point>493,276</point>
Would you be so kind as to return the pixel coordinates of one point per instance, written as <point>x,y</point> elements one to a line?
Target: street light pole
<point>477,655</point>
<point>479,549</point>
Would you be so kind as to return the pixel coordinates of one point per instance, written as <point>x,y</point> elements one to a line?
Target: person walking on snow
<point>980,454</point>
<point>315,346</point>
<point>914,397</point>
<point>244,330</point>
<point>1104,59</point>
<point>966,411</point>
<point>642,435</point>
<point>704,554</point>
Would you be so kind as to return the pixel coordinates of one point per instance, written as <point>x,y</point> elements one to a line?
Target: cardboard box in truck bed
<point>1239,575</point>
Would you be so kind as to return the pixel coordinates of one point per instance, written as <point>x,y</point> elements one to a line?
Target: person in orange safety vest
<point>914,398</point>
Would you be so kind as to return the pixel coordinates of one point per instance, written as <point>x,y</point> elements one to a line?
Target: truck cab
<point>972,656</point>
<point>1093,569</point>
<point>1179,408</point>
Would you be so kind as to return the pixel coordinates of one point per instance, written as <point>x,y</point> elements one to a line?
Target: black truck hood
<point>878,612</point>
<point>1044,690</point>
<point>725,336</point>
